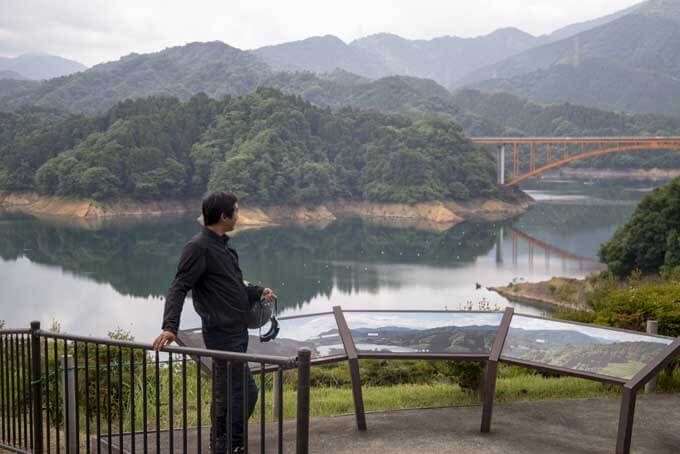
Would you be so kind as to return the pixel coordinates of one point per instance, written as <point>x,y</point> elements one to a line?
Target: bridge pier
<point>499,246</point>
<point>500,164</point>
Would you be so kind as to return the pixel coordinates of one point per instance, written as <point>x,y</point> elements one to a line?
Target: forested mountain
<point>445,59</point>
<point>390,94</point>
<point>213,68</point>
<point>267,147</point>
<point>217,69</point>
<point>510,115</point>
<point>322,54</point>
<point>575,29</point>
<point>631,63</point>
<point>39,66</point>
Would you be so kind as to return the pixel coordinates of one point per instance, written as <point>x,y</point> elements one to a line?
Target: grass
<point>514,384</point>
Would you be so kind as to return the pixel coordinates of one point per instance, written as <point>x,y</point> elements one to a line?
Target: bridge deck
<point>572,140</point>
<point>556,427</point>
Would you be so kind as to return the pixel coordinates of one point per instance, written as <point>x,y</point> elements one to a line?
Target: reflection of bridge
<point>533,244</point>
<point>547,153</point>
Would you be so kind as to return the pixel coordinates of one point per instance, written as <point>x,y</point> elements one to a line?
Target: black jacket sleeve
<point>192,265</point>
<point>254,292</point>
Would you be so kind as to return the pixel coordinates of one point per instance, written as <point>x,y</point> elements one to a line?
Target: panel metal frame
<point>491,374</point>
<point>492,359</point>
<point>353,363</point>
<point>630,389</point>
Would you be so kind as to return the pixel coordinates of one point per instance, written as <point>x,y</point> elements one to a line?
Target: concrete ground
<point>545,427</point>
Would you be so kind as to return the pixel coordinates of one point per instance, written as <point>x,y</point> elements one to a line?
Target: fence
<point>45,389</point>
<point>71,394</point>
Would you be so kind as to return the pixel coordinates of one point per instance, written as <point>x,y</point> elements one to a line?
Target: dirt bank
<point>439,214</point>
<point>635,174</point>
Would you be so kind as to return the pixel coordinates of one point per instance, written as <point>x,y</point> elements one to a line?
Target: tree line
<point>267,147</point>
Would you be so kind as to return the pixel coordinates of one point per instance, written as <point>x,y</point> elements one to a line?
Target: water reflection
<point>94,278</point>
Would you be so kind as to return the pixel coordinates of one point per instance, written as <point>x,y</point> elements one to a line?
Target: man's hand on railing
<point>166,337</point>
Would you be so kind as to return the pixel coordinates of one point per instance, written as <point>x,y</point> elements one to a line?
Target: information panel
<point>581,348</point>
<point>424,332</point>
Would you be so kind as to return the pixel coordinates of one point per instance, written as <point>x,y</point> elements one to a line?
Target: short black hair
<point>215,205</point>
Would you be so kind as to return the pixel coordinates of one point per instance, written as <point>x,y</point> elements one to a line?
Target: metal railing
<point>73,393</point>
<point>67,393</point>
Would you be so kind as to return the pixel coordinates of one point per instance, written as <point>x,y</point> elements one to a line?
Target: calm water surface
<point>93,279</point>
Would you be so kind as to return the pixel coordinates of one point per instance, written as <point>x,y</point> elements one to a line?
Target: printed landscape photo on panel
<point>423,332</point>
<point>582,348</point>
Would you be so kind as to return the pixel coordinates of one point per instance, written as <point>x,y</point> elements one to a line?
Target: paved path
<point>546,427</point>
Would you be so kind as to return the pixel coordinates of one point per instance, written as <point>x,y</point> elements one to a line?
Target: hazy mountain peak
<point>385,37</point>
<point>575,29</point>
<point>320,54</point>
<point>509,31</point>
<point>197,53</point>
<point>38,65</point>
<point>630,62</point>
<point>667,9</point>
<point>7,74</point>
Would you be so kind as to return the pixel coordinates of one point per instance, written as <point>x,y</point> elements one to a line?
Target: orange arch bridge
<point>545,153</point>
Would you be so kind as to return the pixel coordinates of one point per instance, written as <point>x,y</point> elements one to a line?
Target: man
<point>209,267</point>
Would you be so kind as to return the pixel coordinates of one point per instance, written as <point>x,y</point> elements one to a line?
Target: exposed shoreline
<point>633,174</point>
<point>431,215</point>
<point>558,292</point>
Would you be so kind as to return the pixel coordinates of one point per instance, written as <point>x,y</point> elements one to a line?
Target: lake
<point>95,278</point>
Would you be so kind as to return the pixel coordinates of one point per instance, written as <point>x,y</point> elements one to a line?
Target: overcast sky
<point>92,31</point>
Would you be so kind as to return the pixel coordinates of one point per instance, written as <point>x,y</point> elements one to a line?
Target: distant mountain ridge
<point>8,74</point>
<point>446,59</point>
<point>630,63</point>
<point>218,70</point>
<point>39,66</point>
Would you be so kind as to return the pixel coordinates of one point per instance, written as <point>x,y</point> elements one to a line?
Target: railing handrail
<point>286,361</point>
<point>15,331</point>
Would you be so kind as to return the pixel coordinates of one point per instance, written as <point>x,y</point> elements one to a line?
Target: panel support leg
<point>353,362</point>
<point>626,418</point>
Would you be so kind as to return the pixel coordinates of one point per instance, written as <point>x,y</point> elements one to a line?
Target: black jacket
<point>209,268</point>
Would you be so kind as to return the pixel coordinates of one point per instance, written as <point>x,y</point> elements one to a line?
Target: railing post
<point>36,389</point>
<point>303,385</point>
<point>275,395</point>
<point>70,402</point>
<point>652,328</point>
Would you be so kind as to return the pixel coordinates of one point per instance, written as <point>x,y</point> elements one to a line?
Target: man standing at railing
<point>210,268</point>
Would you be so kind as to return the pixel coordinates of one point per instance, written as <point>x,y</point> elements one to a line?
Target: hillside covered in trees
<point>267,147</point>
<point>217,69</point>
<point>650,240</point>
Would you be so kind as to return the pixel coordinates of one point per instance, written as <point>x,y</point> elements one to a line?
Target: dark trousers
<point>220,409</point>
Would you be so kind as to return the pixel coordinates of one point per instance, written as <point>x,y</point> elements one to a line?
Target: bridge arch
<point>603,146</point>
